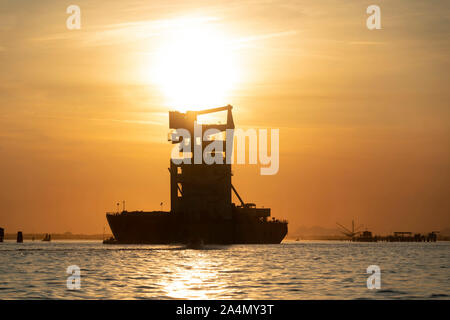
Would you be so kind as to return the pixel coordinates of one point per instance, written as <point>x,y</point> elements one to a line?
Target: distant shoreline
<point>342,238</point>
<point>59,236</point>
<point>70,236</point>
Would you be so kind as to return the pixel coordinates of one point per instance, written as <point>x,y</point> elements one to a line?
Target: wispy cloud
<point>119,33</point>
<point>127,121</point>
<point>158,123</point>
<point>369,43</point>
<point>267,36</point>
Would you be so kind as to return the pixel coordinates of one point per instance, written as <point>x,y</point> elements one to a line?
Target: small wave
<point>231,271</point>
<point>381,291</point>
<point>146,287</point>
<point>439,295</point>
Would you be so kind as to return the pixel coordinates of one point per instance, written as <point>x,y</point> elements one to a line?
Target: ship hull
<point>166,228</point>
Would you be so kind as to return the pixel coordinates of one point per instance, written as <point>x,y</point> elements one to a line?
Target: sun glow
<point>195,68</point>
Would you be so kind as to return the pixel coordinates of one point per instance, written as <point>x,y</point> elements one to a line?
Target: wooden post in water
<point>19,237</point>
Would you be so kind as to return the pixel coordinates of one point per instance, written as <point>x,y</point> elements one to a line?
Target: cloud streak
<point>267,36</point>
<point>114,34</point>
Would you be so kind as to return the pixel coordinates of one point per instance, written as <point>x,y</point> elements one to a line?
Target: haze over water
<point>291,270</point>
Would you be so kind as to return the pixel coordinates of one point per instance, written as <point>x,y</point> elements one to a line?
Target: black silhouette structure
<point>367,236</point>
<point>2,234</point>
<point>47,237</point>
<point>202,211</point>
<point>399,236</point>
<point>350,233</point>
<point>19,237</point>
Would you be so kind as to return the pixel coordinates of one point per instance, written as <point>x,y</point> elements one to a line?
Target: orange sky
<point>363,115</point>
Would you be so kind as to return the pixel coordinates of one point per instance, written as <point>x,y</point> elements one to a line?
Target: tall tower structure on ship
<point>201,190</point>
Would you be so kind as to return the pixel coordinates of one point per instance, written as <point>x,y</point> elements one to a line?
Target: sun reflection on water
<point>196,278</point>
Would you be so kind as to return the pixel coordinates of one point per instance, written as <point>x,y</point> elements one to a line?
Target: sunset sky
<point>363,115</point>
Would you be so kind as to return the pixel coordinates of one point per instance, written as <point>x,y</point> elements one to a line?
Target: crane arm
<point>237,195</point>
<point>212,110</point>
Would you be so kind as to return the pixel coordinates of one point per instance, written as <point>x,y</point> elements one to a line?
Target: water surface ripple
<point>291,270</point>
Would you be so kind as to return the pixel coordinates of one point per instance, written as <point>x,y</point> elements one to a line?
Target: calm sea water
<point>291,270</point>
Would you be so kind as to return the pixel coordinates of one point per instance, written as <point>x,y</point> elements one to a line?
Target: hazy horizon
<point>308,231</point>
<point>363,114</point>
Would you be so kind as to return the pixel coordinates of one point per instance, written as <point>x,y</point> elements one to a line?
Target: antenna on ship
<point>118,207</point>
<point>123,205</point>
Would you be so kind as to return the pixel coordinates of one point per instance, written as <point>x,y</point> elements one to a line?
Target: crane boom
<point>212,110</point>
<point>237,195</point>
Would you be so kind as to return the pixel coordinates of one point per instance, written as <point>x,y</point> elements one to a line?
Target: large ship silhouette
<point>201,201</point>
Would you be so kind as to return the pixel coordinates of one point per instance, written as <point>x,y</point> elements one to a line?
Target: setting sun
<point>195,67</point>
